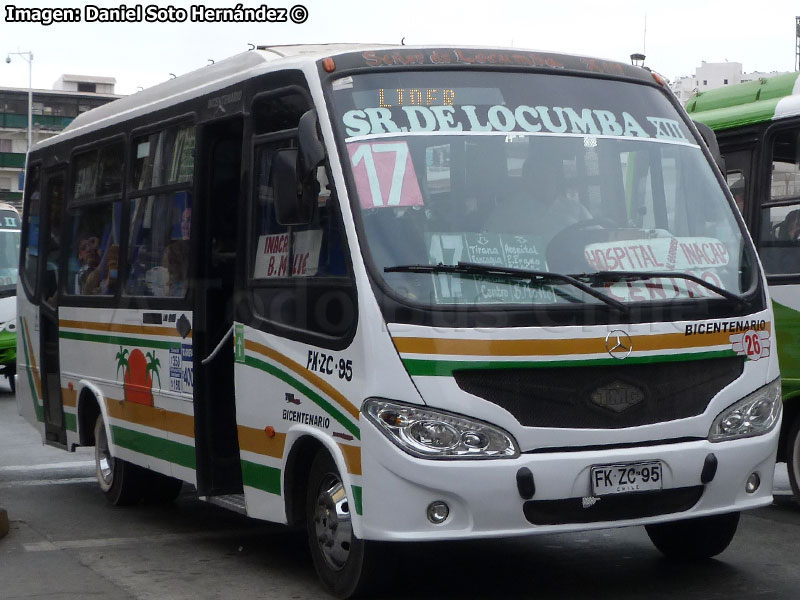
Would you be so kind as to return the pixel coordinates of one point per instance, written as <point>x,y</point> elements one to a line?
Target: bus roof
<point>227,72</point>
<point>748,103</point>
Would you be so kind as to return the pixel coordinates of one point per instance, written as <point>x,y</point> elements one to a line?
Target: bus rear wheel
<point>342,560</point>
<point>119,479</point>
<point>124,483</point>
<point>693,539</point>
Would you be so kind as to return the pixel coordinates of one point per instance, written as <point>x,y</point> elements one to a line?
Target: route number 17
<point>384,175</point>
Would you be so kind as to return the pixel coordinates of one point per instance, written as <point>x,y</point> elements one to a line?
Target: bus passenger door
<point>50,249</point>
<point>216,437</point>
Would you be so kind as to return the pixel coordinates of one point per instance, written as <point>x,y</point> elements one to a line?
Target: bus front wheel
<point>698,538</point>
<point>343,562</point>
<point>792,449</point>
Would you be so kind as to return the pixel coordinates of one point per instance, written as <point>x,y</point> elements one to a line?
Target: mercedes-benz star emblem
<point>619,344</point>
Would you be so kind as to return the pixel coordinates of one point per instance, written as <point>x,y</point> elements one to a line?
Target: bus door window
<point>779,240</point>
<point>52,244</point>
<point>299,271</point>
<point>30,252</point>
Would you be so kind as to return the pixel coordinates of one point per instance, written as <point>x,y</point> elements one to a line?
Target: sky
<point>676,36</point>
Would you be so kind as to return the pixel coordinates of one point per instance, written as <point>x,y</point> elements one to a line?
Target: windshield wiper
<point>614,276</point>
<point>468,268</point>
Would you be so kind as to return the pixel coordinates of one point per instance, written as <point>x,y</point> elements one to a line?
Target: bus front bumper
<point>484,500</point>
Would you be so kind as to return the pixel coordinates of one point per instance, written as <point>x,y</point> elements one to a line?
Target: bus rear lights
<point>752,484</point>
<point>429,433</point>
<point>755,414</point>
<point>438,512</point>
<point>328,65</point>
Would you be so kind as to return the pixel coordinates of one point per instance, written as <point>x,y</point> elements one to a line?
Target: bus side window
<point>93,257</point>
<point>779,240</point>
<point>158,248</point>
<point>30,248</point>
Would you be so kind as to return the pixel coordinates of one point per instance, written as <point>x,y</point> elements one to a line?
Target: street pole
<point>28,57</point>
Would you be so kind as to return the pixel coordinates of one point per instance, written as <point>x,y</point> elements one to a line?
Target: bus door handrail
<point>216,350</point>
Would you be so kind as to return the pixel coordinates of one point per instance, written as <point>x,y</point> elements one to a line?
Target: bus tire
<point>158,488</point>
<point>120,481</point>
<point>344,563</point>
<point>792,449</point>
<point>12,383</point>
<point>694,539</point>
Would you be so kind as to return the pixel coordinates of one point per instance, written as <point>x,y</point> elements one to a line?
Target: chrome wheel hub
<point>332,523</point>
<point>103,460</point>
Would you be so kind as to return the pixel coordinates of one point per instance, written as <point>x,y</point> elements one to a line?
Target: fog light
<point>752,483</point>
<point>438,512</point>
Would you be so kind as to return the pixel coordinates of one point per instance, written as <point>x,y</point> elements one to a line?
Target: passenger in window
<point>789,229</point>
<point>88,258</point>
<point>176,261</point>
<point>103,279</point>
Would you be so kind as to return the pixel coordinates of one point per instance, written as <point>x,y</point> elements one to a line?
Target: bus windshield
<point>537,173</point>
<point>9,250</point>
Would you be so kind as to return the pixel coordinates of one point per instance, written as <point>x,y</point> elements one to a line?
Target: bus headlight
<point>430,433</point>
<point>755,414</point>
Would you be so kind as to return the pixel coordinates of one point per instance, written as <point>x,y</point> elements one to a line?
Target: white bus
<point>400,294</point>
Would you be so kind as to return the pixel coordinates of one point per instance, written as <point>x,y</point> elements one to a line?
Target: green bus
<point>757,125</point>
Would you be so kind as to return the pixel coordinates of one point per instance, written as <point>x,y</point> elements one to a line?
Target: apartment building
<point>52,111</point>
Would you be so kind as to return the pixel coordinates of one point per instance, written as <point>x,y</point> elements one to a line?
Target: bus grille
<point>603,397</point>
<point>612,508</point>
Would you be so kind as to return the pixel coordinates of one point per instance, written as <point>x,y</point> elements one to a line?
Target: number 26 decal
<point>752,344</point>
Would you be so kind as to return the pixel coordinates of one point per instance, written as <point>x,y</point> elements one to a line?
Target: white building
<point>709,76</point>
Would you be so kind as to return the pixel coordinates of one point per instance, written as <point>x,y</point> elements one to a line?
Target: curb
<point>3,522</point>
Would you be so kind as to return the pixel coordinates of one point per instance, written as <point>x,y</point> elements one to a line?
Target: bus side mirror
<point>710,138</point>
<point>293,205</point>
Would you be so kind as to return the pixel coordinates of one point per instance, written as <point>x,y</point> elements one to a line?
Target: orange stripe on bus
<point>151,416</point>
<point>69,397</point>
<point>257,441</point>
<point>555,347</point>
<point>122,328</point>
<point>305,374</point>
<point>352,457</point>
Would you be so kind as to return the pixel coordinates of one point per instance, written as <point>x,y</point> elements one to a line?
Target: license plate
<point>630,477</point>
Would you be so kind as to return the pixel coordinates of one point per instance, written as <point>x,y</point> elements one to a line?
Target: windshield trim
<point>402,309</point>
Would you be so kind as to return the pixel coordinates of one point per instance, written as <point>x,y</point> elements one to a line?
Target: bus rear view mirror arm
<point>312,149</point>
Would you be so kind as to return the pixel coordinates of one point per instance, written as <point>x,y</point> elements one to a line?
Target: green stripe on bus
<point>446,368</point>
<point>39,410</point>
<point>358,498</point>
<point>261,477</point>
<point>306,391</point>
<point>787,334</point>
<point>117,340</point>
<point>174,452</point>
<point>71,422</point>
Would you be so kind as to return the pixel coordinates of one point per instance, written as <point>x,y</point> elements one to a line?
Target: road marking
<point>50,546</point>
<point>35,482</point>
<point>48,467</point>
